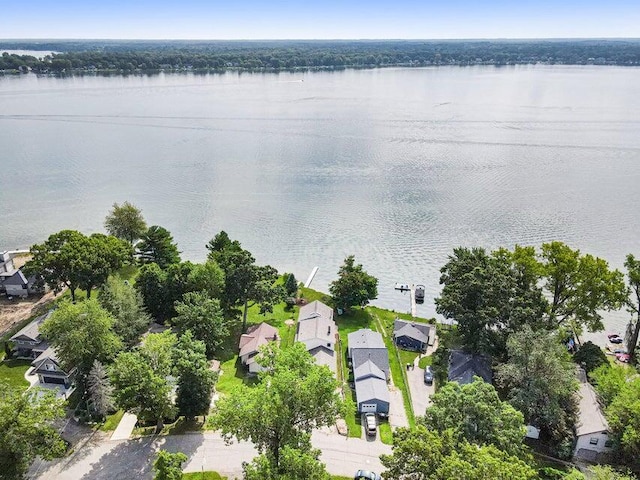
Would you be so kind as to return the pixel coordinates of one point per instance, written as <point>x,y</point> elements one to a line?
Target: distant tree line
<point>140,56</point>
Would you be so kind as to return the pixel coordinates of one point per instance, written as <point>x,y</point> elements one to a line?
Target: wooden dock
<point>414,306</point>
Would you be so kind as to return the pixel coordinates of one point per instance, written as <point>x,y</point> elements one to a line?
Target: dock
<point>311,276</point>
<point>414,306</point>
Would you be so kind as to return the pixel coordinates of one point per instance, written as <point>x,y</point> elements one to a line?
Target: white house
<point>317,330</point>
<point>592,428</point>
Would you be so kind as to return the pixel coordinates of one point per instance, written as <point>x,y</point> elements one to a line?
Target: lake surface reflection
<point>396,166</point>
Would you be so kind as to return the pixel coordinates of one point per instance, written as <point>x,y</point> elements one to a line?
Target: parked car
<point>615,339</point>
<point>419,293</point>
<point>428,376</point>
<point>623,357</point>
<point>370,424</point>
<point>366,475</point>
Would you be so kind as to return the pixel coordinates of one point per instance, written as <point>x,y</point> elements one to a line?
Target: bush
<point>590,356</point>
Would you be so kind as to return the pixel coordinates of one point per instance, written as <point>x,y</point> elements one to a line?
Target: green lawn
<point>12,372</point>
<point>203,476</point>
<point>426,360</point>
<point>112,421</point>
<point>386,436</point>
<point>232,376</point>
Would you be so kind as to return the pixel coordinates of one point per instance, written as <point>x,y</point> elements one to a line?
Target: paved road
<point>132,459</point>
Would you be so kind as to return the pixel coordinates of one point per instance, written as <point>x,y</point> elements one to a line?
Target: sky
<point>309,19</point>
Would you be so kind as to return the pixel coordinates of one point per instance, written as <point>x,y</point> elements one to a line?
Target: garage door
<point>368,407</point>
<point>57,380</point>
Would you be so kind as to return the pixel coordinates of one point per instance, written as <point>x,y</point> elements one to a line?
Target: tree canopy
<point>126,222</point>
<point>354,286</point>
<point>70,259</point>
<point>539,380</point>
<point>100,391</point>
<point>633,304</point>
<point>293,396</point>
<point>168,466</point>
<point>126,306</point>
<point>195,379</point>
<point>203,316</point>
<point>423,454</point>
<point>474,413</point>
<point>27,429</point>
<point>156,246</point>
<point>81,334</point>
<point>590,356</point>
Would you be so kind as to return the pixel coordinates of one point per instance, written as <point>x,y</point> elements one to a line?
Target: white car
<point>371,424</point>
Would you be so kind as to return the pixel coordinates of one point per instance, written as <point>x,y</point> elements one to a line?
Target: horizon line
<point>71,39</point>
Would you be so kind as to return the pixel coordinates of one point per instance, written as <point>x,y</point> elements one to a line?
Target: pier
<point>310,279</point>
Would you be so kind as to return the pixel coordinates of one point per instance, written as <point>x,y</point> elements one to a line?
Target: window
<point>593,441</point>
<point>48,366</point>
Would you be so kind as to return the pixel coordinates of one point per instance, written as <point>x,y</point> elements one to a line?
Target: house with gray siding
<point>12,281</point>
<point>370,363</point>
<point>28,342</point>
<point>411,335</point>
<point>50,370</point>
<point>317,330</point>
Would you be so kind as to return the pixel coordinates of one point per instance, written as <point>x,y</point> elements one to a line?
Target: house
<point>592,437</point>
<point>50,370</point>
<point>372,394</point>
<point>12,281</point>
<point>317,330</point>
<point>464,366</point>
<point>250,342</point>
<point>370,363</point>
<point>411,335</point>
<point>28,342</point>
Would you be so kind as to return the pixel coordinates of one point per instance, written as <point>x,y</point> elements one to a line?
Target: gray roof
<point>464,366</point>
<point>368,369</point>
<point>315,309</point>
<point>316,331</point>
<point>365,338</point>
<point>378,356</point>
<point>16,278</point>
<point>415,330</point>
<point>32,330</point>
<point>590,418</point>
<point>371,388</point>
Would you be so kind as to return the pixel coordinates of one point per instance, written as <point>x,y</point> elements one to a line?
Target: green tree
<point>100,391</point>
<point>580,287</point>
<point>539,380</point>
<point>125,303</point>
<point>168,466</point>
<point>81,334</point>
<point>423,454</point>
<point>207,277</point>
<point>203,316</point>
<point>633,273</point>
<point>291,285</point>
<point>161,289</point>
<point>475,414</point>
<point>590,356</point>
<point>354,286</point>
<point>294,465</point>
<point>293,396</point>
<point>623,415</point>
<point>491,296</point>
<point>610,379</point>
<point>73,260</point>
<point>195,379</point>
<point>606,472</point>
<point>137,387</point>
<point>246,284</point>
<point>126,222</point>
<point>27,429</point>
<point>156,246</point>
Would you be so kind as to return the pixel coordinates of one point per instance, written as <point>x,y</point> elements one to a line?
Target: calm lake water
<point>396,166</point>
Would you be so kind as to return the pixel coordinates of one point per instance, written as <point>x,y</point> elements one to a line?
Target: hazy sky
<point>253,19</point>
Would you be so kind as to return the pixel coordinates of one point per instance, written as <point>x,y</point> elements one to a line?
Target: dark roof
<point>32,330</point>
<point>17,278</point>
<point>372,388</point>
<point>368,369</point>
<point>378,356</point>
<point>464,366</point>
<point>417,331</point>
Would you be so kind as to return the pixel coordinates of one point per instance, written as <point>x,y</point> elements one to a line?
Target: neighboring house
<point>592,436</point>
<point>28,342</point>
<point>12,281</point>
<point>370,362</point>
<point>412,335</point>
<point>464,366</point>
<point>317,330</point>
<point>250,342</point>
<point>50,370</point>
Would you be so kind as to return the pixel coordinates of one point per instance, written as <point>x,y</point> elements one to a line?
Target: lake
<point>396,166</point>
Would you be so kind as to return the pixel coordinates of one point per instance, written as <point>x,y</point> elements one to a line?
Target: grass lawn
<point>339,477</point>
<point>426,360</point>
<point>12,372</point>
<point>386,436</point>
<point>232,376</point>
<point>112,421</point>
<point>203,476</point>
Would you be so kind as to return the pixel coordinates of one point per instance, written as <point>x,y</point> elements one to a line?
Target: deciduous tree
<point>590,356</point>
<point>354,286</point>
<point>203,316</point>
<point>195,378</point>
<point>168,466</point>
<point>623,415</point>
<point>125,303</point>
<point>293,396</point>
<point>475,414</point>
<point>295,464</point>
<point>81,334</point>
<point>156,246</point>
<point>633,304</point>
<point>126,222</point>
<point>27,429</point>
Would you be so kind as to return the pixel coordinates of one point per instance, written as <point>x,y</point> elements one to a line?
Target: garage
<point>56,380</point>
<point>368,407</point>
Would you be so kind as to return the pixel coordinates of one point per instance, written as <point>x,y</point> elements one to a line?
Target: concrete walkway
<point>125,428</point>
